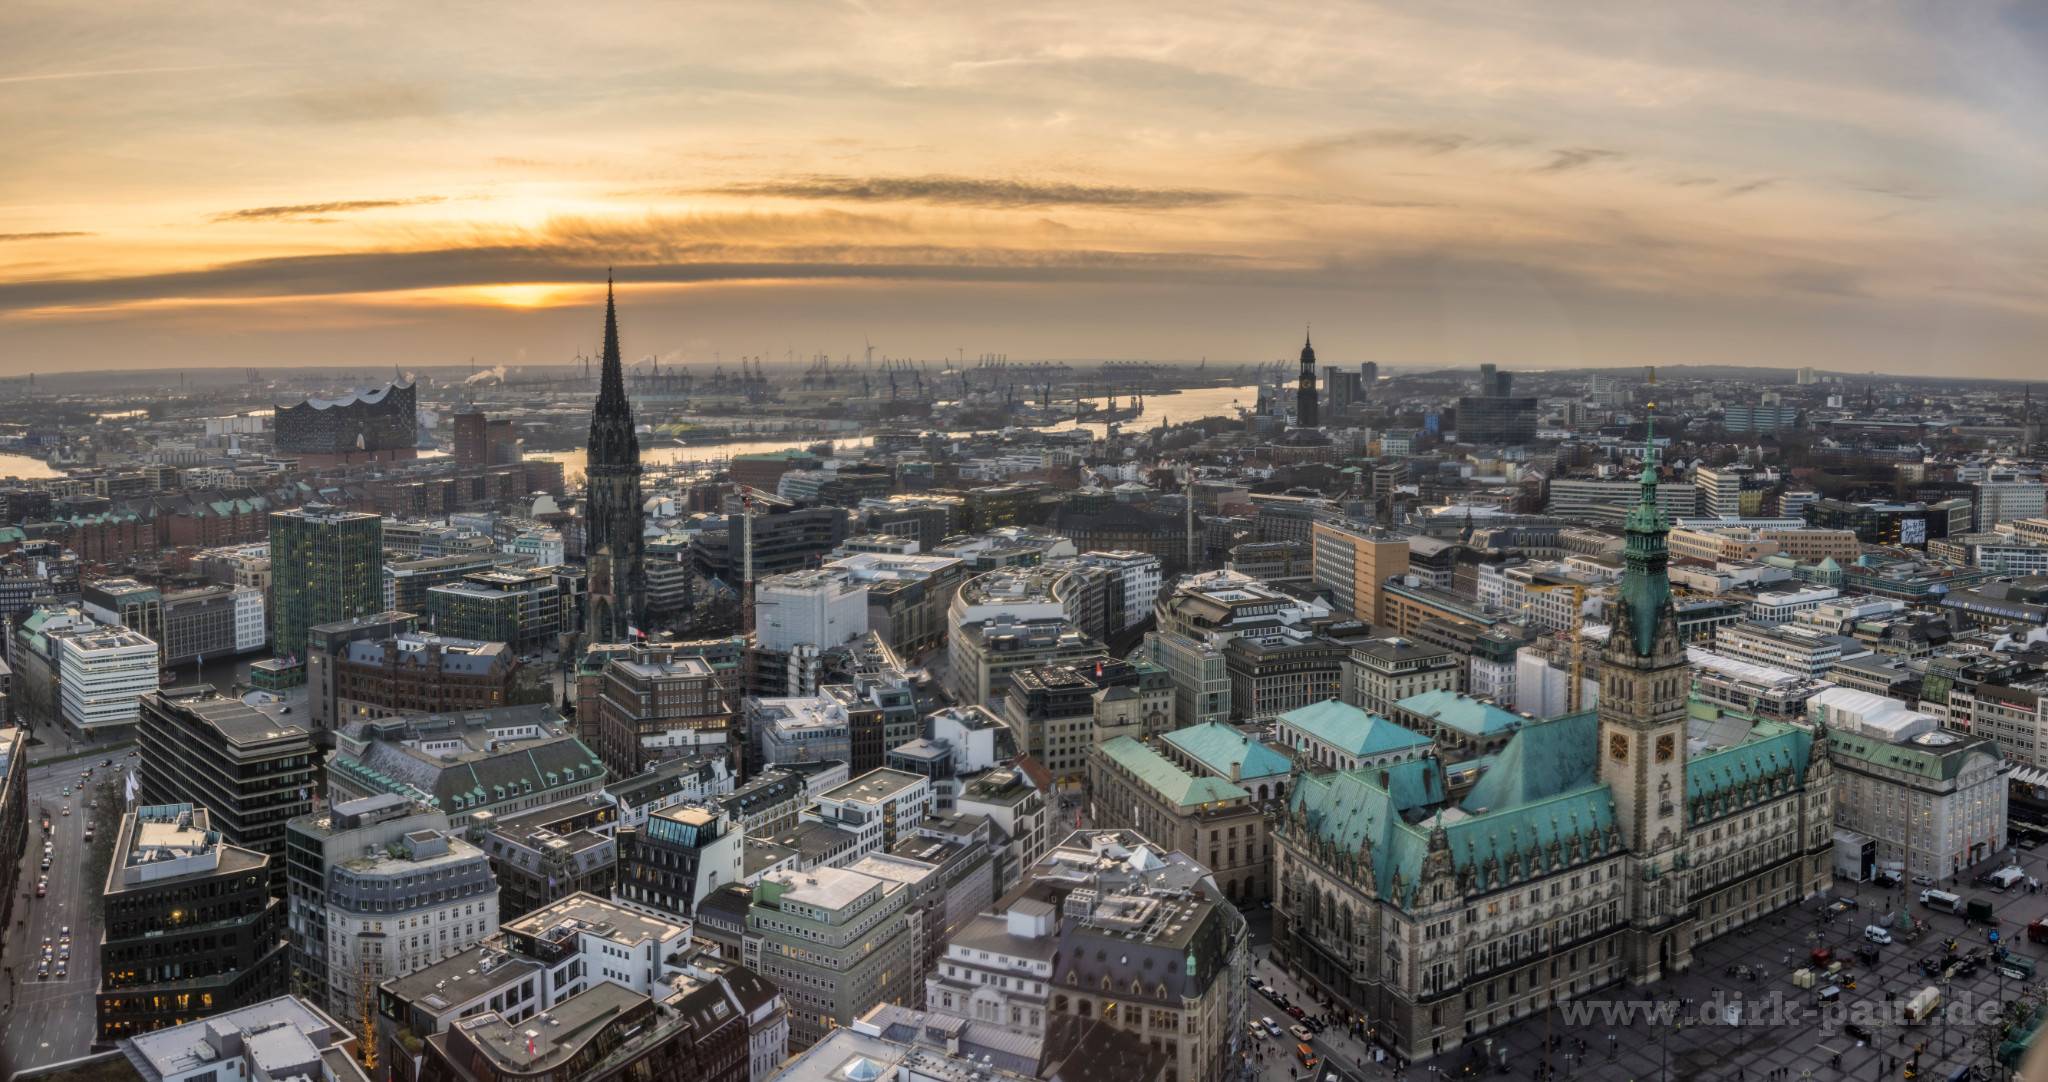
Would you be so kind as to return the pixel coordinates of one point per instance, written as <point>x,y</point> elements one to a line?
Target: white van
<point>2004,878</point>
<point>1877,935</point>
<point>1942,900</point>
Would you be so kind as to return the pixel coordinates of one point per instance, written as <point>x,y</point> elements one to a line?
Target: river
<point>1185,406</point>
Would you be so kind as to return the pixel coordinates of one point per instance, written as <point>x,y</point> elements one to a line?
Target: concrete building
<point>1796,650</point>
<point>542,856</point>
<point>377,888</point>
<point>103,675</point>
<point>1352,562</point>
<point>671,782</point>
<point>251,771</point>
<point>1720,491</point>
<point>503,761</point>
<point>1136,576</point>
<point>807,728</point>
<point>1201,677</point>
<point>1018,808</point>
<point>1202,815</point>
<point>160,965</point>
<point>408,673</point>
<point>879,808</point>
<point>1381,672</point>
<point>984,655</point>
<point>652,705</point>
<point>808,608</point>
<point>521,608</point>
<point>837,942</point>
<point>1934,800</point>
<point>280,1038</point>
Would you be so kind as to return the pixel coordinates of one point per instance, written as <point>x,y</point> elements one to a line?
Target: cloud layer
<point>1846,184</point>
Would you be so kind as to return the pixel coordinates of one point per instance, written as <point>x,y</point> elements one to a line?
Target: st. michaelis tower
<point>1645,680</point>
<point>615,543</point>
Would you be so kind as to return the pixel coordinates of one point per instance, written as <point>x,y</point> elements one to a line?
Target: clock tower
<point>1644,683</point>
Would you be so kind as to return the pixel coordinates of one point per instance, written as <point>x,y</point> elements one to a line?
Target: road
<point>52,1020</point>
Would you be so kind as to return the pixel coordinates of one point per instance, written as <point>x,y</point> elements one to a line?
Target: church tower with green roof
<point>1644,682</point>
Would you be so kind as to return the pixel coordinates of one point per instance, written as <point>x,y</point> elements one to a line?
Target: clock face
<point>1666,747</point>
<point>1617,746</point>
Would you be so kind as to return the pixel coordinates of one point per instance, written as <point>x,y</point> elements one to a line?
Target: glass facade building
<point>327,565</point>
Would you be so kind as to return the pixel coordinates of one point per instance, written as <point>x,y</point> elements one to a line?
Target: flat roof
<point>589,913</point>
<point>875,786</point>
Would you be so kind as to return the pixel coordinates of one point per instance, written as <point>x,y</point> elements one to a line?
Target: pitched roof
<point>1773,756</point>
<point>1464,713</point>
<point>1352,730</point>
<point>1542,760</point>
<point>1219,747</point>
<point>1169,781</point>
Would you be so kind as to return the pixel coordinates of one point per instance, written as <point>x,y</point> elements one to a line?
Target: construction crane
<point>1580,591</point>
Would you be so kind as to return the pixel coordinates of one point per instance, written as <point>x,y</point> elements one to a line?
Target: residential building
<point>837,942</point>
<point>378,887</point>
<point>1017,808</point>
<point>327,564</point>
<point>251,771</point>
<point>166,961</point>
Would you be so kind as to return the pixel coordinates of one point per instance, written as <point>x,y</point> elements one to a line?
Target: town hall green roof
<point>1169,781</point>
<point>1218,746</point>
<point>1352,730</point>
<point>1464,713</point>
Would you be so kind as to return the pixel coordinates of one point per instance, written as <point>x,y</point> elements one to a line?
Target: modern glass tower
<point>327,565</point>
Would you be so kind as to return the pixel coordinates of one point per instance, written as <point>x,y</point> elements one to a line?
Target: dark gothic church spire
<point>615,544</point>
<point>1305,396</point>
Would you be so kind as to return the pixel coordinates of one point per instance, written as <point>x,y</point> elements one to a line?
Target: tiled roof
<point>1463,713</point>
<point>1219,747</point>
<point>1352,730</point>
<point>1169,781</point>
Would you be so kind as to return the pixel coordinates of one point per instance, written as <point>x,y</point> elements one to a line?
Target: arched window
<point>1059,1004</point>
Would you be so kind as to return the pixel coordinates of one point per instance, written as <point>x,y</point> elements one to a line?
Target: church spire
<point>611,393</point>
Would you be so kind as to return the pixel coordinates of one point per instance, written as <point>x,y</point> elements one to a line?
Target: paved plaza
<point>1623,1040</point>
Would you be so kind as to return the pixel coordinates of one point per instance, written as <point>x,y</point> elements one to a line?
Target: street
<point>53,1019</point>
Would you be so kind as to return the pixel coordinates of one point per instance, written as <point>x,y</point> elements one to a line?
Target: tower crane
<point>1580,591</point>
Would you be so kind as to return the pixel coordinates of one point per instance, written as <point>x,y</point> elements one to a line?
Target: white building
<point>1720,491</point>
<point>1796,650</point>
<point>880,808</point>
<point>251,628</point>
<point>282,1039</point>
<point>997,967</point>
<point>104,674</point>
<point>1139,574</point>
<point>2005,498</point>
<point>814,608</point>
<point>1779,607</point>
<point>543,547</point>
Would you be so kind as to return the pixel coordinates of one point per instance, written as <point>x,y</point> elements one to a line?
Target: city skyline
<point>1835,187</point>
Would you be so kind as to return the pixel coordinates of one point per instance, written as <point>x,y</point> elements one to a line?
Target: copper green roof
<point>1771,762</point>
<point>1219,747</point>
<point>1463,713</point>
<point>1169,781</point>
<point>1542,760</point>
<point>1351,730</point>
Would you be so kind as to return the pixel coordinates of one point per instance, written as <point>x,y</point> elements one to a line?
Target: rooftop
<point>591,915</point>
<point>1352,730</point>
<point>1220,748</point>
<point>876,786</point>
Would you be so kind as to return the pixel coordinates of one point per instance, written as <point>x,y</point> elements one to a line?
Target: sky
<point>1851,185</point>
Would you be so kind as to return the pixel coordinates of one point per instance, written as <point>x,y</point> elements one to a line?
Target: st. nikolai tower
<point>615,543</point>
<point>1305,394</point>
<point>1644,682</point>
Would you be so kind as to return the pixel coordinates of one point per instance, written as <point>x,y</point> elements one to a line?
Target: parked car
<point>1876,934</point>
<point>1295,1012</point>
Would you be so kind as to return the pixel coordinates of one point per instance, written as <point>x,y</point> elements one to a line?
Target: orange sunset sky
<point>1856,186</point>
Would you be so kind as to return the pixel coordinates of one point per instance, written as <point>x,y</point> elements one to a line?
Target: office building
<point>192,930</point>
<point>808,608</point>
<point>652,704</point>
<point>281,1038</point>
<point>1495,415</point>
<point>251,771</point>
<point>521,608</point>
<point>327,564</point>
<point>1720,490</point>
<point>410,672</point>
<point>406,581</point>
<point>670,782</point>
<point>378,887</point>
<point>1202,815</point>
<point>542,856</point>
<point>836,942</point>
<point>1017,802</point>
<point>680,855</point>
<point>1381,672</point>
<point>103,675</point>
<point>503,761</point>
<point>1933,800</point>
